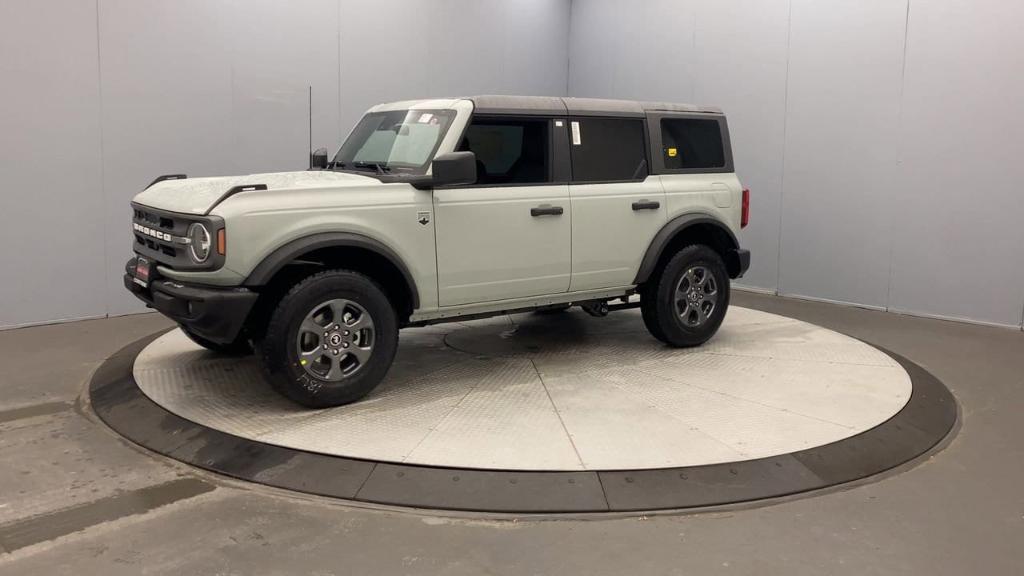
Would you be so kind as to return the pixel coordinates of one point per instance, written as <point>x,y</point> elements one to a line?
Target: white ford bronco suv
<point>448,209</point>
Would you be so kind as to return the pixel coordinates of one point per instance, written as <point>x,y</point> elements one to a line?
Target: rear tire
<point>330,341</point>
<point>686,303</point>
<point>650,313</point>
<point>240,347</point>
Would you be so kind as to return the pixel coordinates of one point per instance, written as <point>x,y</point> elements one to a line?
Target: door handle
<point>545,210</point>
<point>646,205</point>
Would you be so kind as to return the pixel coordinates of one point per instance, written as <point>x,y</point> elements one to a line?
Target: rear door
<point>507,236</point>
<point>617,206</point>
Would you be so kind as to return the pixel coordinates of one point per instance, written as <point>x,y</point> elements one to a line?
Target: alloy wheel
<point>335,340</point>
<point>696,296</point>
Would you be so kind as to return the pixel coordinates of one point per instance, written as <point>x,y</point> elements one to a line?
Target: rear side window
<point>608,150</point>
<point>509,151</point>
<point>691,143</point>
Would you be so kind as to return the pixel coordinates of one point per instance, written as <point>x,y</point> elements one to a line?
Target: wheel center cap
<point>335,339</point>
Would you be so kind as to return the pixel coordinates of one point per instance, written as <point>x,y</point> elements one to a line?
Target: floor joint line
<point>355,495</point>
<point>748,400</point>
<point>440,420</point>
<point>559,414</point>
<point>673,416</point>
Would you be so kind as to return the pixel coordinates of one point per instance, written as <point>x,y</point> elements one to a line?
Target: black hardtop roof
<point>558,105</point>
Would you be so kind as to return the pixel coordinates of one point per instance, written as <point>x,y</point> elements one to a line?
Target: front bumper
<point>737,262</point>
<point>216,314</point>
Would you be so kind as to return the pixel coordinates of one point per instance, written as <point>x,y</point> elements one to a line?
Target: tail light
<point>745,214</point>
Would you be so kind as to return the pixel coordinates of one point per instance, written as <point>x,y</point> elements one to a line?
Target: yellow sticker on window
<point>672,152</point>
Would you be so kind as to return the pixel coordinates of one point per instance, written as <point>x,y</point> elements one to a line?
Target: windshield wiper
<point>380,167</point>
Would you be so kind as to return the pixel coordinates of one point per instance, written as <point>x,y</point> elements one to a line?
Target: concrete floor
<point>76,499</point>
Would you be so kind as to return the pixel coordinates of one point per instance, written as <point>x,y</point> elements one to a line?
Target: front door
<point>509,235</point>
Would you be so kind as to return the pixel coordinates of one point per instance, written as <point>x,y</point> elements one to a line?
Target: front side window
<point>690,143</point>
<point>401,141</point>
<point>608,150</point>
<point>509,150</point>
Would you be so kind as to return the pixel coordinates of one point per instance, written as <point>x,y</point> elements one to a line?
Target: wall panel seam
<point>338,127</point>
<point>568,46</point>
<point>104,197</point>
<point>782,172</point>
<point>1022,316</point>
<point>899,156</point>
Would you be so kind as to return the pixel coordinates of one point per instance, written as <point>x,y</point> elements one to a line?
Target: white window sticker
<point>425,118</point>
<point>575,133</point>
<point>558,123</point>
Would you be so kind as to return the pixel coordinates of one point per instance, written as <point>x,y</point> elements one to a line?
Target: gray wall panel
<point>876,177</point>
<point>730,54</point>
<point>842,117</point>
<point>740,65</point>
<point>374,69</point>
<point>167,103</point>
<point>872,173</point>
<point>534,53</point>
<point>639,50</point>
<point>393,50</point>
<point>959,244</point>
<point>51,216</point>
<point>210,87</point>
<point>277,52</point>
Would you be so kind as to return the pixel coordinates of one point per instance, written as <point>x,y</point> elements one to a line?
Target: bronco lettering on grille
<point>154,233</point>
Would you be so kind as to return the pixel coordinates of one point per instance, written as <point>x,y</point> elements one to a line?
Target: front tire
<point>330,340</point>
<point>686,303</point>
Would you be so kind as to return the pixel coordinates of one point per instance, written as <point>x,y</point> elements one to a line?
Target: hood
<point>198,195</point>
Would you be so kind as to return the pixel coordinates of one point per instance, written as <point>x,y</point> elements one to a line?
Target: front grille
<point>151,219</point>
<point>161,237</point>
<point>156,246</point>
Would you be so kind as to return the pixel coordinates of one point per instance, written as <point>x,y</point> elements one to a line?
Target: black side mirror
<point>453,168</point>
<point>318,159</point>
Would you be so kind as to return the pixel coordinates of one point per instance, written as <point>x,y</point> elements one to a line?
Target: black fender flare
<point>669,231</point>
<point>287,253</point>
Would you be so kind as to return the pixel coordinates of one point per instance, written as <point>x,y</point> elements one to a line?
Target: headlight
<point>199,242</point>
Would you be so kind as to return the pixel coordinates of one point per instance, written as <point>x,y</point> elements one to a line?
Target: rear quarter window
<point>692,144</point>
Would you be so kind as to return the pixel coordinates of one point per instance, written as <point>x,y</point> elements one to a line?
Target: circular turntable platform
<point>565,392</point>
<point>551,412</point>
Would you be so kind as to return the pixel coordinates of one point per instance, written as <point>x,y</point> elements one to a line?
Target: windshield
<point>395,141</point>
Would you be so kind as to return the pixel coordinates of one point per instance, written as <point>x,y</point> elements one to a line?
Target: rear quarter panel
<point>717,195</point>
